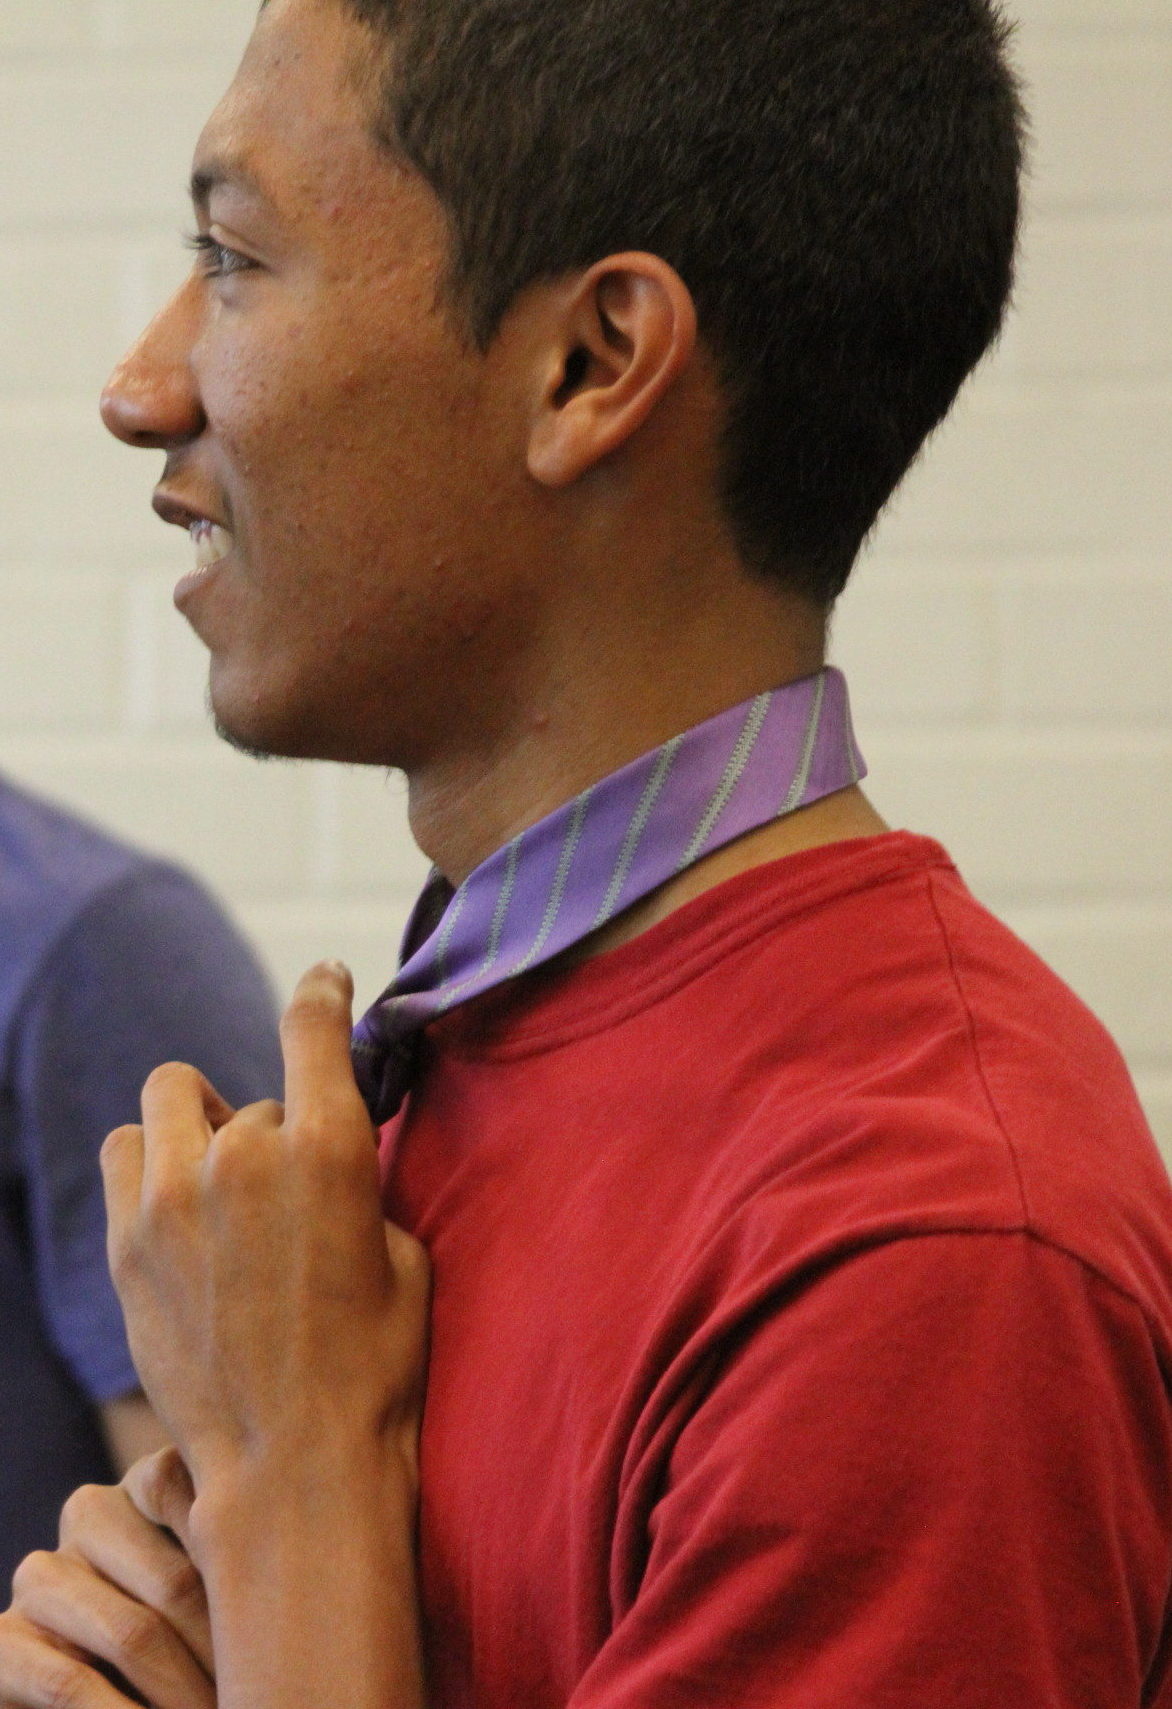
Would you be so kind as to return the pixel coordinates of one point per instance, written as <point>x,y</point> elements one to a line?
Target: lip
<point>180,513</point>
<point>190,583</point>
<point>197,578</point>
<point>171,508</point>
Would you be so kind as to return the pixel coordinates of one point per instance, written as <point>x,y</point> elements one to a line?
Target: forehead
<point>297,116</point>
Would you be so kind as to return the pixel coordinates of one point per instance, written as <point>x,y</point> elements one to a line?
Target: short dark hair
<point>836,181</point>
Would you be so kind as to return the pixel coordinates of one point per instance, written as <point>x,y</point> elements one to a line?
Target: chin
<point>303,714</point>
<point>253,726</point>
<point>245,744</point>
<point>265,731</point>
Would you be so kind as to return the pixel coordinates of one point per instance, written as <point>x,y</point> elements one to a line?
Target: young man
<point>802,1265</point>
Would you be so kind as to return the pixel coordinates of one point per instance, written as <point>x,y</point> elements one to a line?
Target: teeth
<point>211,544</point>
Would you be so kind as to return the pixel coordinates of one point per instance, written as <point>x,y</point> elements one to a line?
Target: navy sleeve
<point>151,972</point>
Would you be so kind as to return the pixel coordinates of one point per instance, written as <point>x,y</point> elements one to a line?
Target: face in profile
<point>342,457</point>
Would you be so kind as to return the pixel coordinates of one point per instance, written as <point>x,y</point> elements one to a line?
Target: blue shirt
<point>110,963</point>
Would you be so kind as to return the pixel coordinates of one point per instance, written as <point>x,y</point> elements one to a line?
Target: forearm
<point>311,1581</point>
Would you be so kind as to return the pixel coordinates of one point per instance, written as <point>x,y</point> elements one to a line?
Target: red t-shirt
<point>803,1309</point>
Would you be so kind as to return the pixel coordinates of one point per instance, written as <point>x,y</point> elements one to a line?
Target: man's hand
<point>118,1604</point>
<point>268,1305</point>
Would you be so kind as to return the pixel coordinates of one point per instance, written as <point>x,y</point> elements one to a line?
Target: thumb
<point>411,1270</point>
<point>410,1266</point>
<point>160,1487</point>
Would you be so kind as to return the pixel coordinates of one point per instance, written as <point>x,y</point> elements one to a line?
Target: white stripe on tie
<point>798,787</point>
<point>733,771</point>
<point>635,830</point>
<point>569,846</point>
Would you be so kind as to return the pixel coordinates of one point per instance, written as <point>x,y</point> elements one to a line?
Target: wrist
<point>263,1497</point>
<point>308,1559</point>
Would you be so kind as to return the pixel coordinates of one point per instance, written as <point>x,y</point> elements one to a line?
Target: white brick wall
<point>1008,635</point>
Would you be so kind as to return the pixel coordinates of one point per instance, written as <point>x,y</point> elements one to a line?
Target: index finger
<point>315,1038</point>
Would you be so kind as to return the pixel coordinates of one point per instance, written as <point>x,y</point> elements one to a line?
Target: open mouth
<point>211,543</point>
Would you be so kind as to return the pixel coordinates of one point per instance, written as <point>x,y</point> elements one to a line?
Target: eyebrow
<point>223,173</point>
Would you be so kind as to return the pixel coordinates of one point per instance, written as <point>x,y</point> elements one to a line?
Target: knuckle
<point>33,1573</point>
<point>15,1632</point>
<point>168,1196</point>
<point>237,1153</point>
<point>179,1585</point>
<point>311,1138</point>
<point>331,1164</point>
<point>82,1509</point>
<point>316,1137</point>
<point>262,1116</point>
<point>123,1257</point>
<point>169,1074</point>
<point>116,1142</point>
<point>64,1682</point>
<point>136,1633</point>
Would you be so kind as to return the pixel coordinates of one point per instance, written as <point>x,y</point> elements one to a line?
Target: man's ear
<point>623,331</point>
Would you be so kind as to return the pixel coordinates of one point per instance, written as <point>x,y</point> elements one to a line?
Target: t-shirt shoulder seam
<point>1024,1230</point>
<point>970,1023</point>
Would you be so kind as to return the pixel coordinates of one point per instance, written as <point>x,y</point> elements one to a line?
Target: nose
<point>152,399</point>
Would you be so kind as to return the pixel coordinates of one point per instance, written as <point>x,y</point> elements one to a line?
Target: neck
<point>597,705</point>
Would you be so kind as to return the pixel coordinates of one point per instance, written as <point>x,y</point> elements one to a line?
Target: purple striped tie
<point>623,837</point>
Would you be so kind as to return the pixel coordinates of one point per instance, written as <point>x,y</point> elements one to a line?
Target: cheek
<point>348,464</point>
<point>261,393</point>
<point>396,465</point>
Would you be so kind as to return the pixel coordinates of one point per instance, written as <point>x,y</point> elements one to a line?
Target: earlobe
<point>626,329</point>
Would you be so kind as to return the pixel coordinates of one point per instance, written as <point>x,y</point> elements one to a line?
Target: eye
<point>217,261</point>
